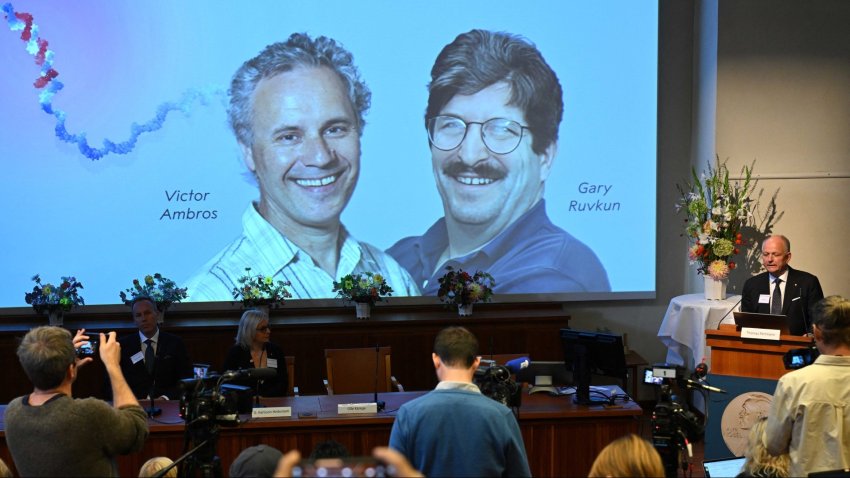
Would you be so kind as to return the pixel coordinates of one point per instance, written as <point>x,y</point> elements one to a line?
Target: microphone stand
<point>180,460</point>
<point>259,380</point>
<point>730,311</point>
<point>380,403</point>
<point>803,307</point>
<point>152,410</point>
<point>257,403</point>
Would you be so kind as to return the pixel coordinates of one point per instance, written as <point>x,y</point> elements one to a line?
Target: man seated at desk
<point>782,290</point>
<point>153,361</point>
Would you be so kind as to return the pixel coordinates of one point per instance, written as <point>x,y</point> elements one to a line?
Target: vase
<point>363,310</point>
<point>160,318</point>
<point>264,308</point>
<point>55,317</point>
<point>715,289</point>
<point>464,310</point>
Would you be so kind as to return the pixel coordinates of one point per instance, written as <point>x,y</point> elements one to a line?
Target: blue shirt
<point>457,432</point>
<point>532,255</point>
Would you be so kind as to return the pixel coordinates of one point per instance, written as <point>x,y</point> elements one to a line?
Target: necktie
<point>150,356</point>
<point>776,300</point>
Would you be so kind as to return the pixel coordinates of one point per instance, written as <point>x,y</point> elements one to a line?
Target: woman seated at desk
<point>254,350</point>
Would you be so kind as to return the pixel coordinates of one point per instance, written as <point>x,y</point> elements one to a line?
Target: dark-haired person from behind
<point>781,289</point>
<point>455,430</point>
<point>810,414</point>
<point>254,349</point>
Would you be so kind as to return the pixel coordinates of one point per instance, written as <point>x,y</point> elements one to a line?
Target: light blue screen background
<point>64,214</point>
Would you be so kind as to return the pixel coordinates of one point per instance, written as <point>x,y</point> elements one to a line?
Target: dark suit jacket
<point>172,365</point>
<point>802,292</point>
<point>240,359</point>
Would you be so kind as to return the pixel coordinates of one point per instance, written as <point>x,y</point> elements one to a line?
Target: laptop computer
<point>763,321</point>
<point>724,467</point>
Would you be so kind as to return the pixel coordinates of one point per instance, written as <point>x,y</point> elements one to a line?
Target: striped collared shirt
<point>269,253</point>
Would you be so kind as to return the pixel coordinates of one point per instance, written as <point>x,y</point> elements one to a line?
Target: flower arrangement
<point>461,288</point>
<point>716,210</point>
<point>161,290</point>
<point>365,288</point>
<point>259,290</point>
<point>48,297</point>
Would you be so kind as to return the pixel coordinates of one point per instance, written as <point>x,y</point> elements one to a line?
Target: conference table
<point>561,438</point>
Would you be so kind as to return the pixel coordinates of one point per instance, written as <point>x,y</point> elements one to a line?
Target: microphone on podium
<point>379,403</point>
<point>153,410</point>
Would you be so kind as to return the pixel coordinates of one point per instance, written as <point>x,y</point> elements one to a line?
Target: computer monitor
<point>592,352</point>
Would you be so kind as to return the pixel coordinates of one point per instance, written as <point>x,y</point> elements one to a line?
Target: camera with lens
<point>495,382</point>
<point>674,426</point>
<point>89,348</point>
<point>207,401</point>
<point>799,358</point>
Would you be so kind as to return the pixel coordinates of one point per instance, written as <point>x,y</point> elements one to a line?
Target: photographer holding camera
<point>455,430</point>
<point>51,434</point>
<point>810,414</point>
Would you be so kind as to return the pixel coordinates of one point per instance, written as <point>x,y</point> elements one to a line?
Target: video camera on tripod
<point>674,426</point>
<point>206,404</point>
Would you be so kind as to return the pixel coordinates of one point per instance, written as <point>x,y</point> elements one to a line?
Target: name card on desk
<point>356,408</point>
<point>760,334</point>
<point>271,412</point>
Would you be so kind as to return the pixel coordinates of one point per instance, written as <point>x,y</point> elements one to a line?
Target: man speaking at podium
<point>782,290</point>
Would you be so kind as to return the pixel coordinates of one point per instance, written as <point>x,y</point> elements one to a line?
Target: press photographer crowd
<point>466,426</point>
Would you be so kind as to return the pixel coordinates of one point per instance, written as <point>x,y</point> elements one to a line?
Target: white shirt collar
<point>783,276</point>
<point>154,339</point>
<point>449,385</point>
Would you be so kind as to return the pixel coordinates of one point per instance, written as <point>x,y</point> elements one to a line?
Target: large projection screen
<point>167,65</point>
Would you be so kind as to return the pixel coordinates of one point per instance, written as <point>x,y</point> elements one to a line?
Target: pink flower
<point>718,270</point>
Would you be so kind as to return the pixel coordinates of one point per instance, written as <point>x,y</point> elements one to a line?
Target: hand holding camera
<point>86,346</point>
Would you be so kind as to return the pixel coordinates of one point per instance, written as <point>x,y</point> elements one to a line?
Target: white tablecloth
<point>684,325</point>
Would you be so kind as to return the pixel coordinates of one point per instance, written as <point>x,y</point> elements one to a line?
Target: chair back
<point>357,370</point>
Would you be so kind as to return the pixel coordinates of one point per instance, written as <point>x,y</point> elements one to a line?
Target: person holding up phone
<point>48,432</point>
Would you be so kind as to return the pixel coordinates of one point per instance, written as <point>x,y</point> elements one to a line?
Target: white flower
<point>717,211</point>
<point>704,238</point>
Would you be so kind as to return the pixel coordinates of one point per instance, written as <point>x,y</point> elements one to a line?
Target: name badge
<point>137,358</point>
<point>764,298</point>
<point>271,363</point>
<point>761,334</point>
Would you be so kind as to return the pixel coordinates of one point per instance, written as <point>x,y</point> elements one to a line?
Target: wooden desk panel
<point>733,355</point>
<point>209,329</point>
<point>561,438</point>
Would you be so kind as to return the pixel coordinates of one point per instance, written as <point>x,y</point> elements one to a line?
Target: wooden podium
<point>736,356</point>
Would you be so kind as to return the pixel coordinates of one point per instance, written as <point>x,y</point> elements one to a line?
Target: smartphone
<point>355,466</point>
<point>89,349</point>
